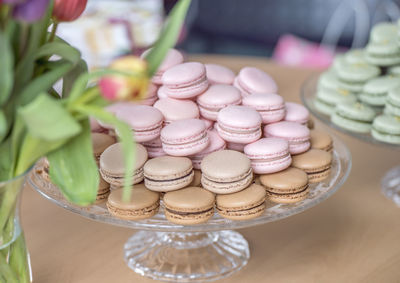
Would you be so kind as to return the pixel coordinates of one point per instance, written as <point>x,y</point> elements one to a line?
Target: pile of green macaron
<point>361,90</point>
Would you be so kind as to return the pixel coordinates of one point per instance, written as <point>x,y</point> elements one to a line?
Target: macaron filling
<point>200,83</point>
<point>213,179</point>
<point>260,206</point>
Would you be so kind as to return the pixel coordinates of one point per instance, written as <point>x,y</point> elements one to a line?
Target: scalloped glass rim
<point>308,92</point>
<point>341,167</point>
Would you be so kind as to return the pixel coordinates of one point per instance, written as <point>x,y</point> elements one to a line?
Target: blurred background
<point>293,32</point>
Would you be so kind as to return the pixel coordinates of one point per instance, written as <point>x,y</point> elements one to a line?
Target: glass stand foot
<point>391,185</point>
<point>186,257</point>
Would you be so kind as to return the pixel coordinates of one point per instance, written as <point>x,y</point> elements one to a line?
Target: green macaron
<point>394,71</point>
<point>383,54</point>
<point>356,74</point>
<point>386,128</point>
<point>376,90</point>
<point>327,99</point>
<point>392,105</point>
<point>383,32</point>
<point>355,117</point>
<point>330,80</point>
<point>355,56</point>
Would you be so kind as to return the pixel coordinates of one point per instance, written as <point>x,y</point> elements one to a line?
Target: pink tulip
<point>68,10</point>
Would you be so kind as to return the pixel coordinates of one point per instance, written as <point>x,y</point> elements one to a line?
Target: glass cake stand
<point>390,183</point>
<point>205,252</point>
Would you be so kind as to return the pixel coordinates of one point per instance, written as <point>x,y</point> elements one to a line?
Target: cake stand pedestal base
<point>391,185</point>
<point>186,257</point>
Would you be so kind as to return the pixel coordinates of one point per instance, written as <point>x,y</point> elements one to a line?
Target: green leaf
<point>70,78</point>
<point>65,51</point>
<point>74,170</point>
<point>6,73</point>
<point>5,160</point>
<point>47,119</point>
<point>125,135</point>
<point>43,83</point>
<point>168,36</point>
<point>3,125</point>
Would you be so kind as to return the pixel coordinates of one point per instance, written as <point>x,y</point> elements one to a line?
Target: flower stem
<point>53,31</point>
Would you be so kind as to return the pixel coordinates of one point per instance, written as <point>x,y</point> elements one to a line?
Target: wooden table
<point>352,237</point>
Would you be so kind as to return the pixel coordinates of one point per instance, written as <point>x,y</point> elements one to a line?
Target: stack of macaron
<point>211,142</point>
<point>362,83</point>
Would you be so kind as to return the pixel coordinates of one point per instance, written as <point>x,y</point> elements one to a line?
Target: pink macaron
<point>114,109</point>
<point>173,58</point>
<point>270,106</point>
<point>239,124</point>
<point>236,146</point>
<point>95,127</point>
<point>253,80</point>
<point>209,123</point>
<point>146,121</point>
<point>151,95</point>
<point>184,137</point>
<point>296,134</point>
<point>154,148</point>
<point>217,74</point>
<point>161,92</point>
<point>177,109</point>
<point>216,143</point>
<point>185,80</point>
<point>296,113</point>
<point>215,98</point>
<point>268,155</point>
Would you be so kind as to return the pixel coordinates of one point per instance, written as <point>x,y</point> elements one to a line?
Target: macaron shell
<point>289,181</point>
<point>270,106</point>
<point>143,203</point>
<point>386,128</point>
<point>217,74</point>
<point>216,143</point>
<point>174,109</point>
<point>100,142</point>
<point>296,113</point>
<point>196,179</point>
<point>321,140</point>
<point>288,198</point>
<point>315,162</point>
<point>254,80</point>
<point>154,148</point>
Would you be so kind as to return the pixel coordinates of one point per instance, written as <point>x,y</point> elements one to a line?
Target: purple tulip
<point>31,10</point>
<point>13,2</point>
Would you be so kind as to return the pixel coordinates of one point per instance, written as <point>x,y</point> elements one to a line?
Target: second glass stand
<point>390,183</point>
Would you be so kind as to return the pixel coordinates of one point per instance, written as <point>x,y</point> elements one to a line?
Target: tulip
<point>30,10</point>
<point>12,2</point>
<point>123,87</point>
<point>68,10</point>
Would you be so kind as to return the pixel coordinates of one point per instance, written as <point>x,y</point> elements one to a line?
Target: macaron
<point>392,105</point>
<point>217,97</point>
<point>394,71</point>
<point>217,74</point>
<point>161,92</point>
<point>173,58</point>
<point>356,74</point>
<point>142,204</point>
<point>268,155</point>
<point>236,146</point>
<point>209,124</point>
<point>189,206</point>
<point>296,134</point>
<point>216,143</point>
<point>168,173</point>
<point>296,113</point>
<point>327,99</point>
<point>329,80</point>
<point>355,117</point>
<point>151,96</point>
<point>376,90</point>
<point>112,165</point>
<point>386,128</point>
<point>226,171</point>
<point>287,186</point>
<point>355,56</point>
<point>177,109</point>
<point>103,191</point>
<point>315,162</point>
<point>246,204</point>
<point>185,80</point>
<point>145,121</point>
<point>321,140</point>
<point>184,137</point>
<point>253,80</point>
<point>196,179</point>
<point>99,143</point>
<point>239,124</point>
<point>270,106</point>
<point>383,54</point>
<point>95,126</point>
<point>383,32</point>
<point>154,148</point>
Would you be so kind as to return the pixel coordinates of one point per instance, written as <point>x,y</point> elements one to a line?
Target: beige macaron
<point>321,140</point>
<point>226,172</point>
<point>168,173</point>
<point>143,203</point>
<point>246,204</point>
<point>112,165</point>
<point>188,206</point>
<point>287,186</point>
<point>315,162</point>
<point>100,143</point>
<point>103,191</point>
<point>196,179</point>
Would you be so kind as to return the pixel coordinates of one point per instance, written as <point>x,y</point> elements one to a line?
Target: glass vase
<point>14,259</point>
